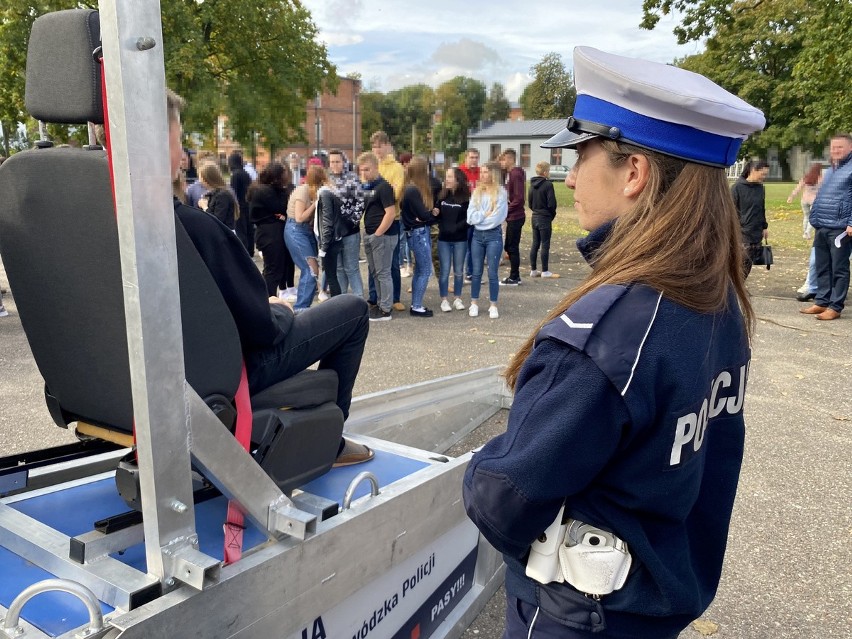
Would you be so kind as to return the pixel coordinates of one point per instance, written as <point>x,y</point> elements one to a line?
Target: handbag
<point>763,257</point>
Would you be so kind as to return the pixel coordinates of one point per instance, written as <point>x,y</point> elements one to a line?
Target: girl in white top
<point>487,211</point>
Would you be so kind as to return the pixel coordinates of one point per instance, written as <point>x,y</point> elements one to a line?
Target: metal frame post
<point>135,80</point>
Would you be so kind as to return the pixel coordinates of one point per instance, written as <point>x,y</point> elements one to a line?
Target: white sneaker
<point>473,311</point>
<point>445,306</point>
<point>803,290</point>
<point>492,312</point>
<point>549,274</point>
<point>323,296</point>
<point>458,304</point>
<point>535,273</point>
<point>404,272</point>
<point>3,312</point>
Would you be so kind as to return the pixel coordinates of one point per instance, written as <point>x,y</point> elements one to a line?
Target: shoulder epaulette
<point>610,325</point>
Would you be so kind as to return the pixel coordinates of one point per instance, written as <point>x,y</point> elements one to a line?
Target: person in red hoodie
<point>516,181</point>
<point>470,168</point>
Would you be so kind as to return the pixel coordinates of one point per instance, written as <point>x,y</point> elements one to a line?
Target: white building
<point>525,137</point>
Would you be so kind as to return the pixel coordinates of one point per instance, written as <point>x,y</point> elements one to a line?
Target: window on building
<point>555,156</point>
<point>495,151</point>
<point>525,156</point>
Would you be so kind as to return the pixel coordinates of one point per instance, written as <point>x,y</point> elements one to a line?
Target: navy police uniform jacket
<point>630,410</point>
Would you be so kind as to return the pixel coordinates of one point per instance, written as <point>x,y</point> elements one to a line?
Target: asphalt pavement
<point>787,572</point>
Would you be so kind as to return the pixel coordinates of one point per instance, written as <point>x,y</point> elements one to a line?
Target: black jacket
<point>542,198</point>
<point>332,227</point>
<point>259,323</point>
<point>266,201</point>
<point>452,221</point>
<point>413,209</point>
<point>222,205</point>
<point>750,200</point>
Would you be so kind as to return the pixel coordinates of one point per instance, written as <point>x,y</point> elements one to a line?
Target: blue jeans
<point>421,246</point>
<point>348,272</point>
<point>302,243</point>
<point>404,249</point>
<point>811,282</point>
<point>485,245</point>
<point>396,281</point>
<point>451,254</point>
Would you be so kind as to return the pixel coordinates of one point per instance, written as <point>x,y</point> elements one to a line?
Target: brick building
<point>331,122</point>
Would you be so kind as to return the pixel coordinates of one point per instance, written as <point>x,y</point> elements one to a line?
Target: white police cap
<point>656,106</point>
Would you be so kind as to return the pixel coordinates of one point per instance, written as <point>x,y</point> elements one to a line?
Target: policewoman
<point>610,494</point>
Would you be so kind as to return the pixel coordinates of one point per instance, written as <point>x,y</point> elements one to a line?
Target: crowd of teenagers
<point>309,223</point>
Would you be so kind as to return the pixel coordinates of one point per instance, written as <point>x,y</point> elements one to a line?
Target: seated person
<point>276,343</point>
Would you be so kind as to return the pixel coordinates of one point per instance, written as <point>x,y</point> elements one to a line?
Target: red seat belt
<point>234,524</point>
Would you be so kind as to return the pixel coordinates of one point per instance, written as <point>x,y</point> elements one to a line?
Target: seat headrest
<point>63,78</point>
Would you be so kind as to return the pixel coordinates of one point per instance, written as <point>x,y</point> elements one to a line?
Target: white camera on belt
<point>594,561</point>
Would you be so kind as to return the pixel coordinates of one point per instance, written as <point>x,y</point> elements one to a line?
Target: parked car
<point>558,172</point>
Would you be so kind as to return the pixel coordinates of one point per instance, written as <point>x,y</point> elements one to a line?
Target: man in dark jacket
<point>831,216</point>
<point>240,183</point>
<point>750,199</point>
<point>516,181</point>
<point>276,343</point>
<point>542,201</point>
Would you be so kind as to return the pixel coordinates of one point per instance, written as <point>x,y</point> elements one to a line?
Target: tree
<point>497,107</point>
<point>461,102</point>
<point>409,109</point>
<point>256,63</point>
<point>371,115</point>
<point>551,94</point>
<point>786,57</point>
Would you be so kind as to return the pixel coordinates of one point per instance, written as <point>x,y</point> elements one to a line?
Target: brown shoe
<point>353,453</point>
<point>813,310</point>
<point>398,306</point>
<point>828,314</point>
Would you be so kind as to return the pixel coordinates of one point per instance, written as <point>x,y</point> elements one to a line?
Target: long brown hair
<point>682,238</point>
<point>417,173</point>
<point>315,178</point>
<point>811,178</point>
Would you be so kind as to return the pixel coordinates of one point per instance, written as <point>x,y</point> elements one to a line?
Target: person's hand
<point>274,299</point>
<point>790,200</point>
<point>765,234</point>
<point>321,253</point>
<point>849,230</point>
<point>436,212</point>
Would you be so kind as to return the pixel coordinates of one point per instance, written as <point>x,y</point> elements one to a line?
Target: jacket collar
<point>591,244</point>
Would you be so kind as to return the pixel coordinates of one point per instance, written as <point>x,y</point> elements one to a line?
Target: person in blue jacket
<point>610,494</point>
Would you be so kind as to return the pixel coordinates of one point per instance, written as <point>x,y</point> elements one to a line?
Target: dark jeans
<point>512,246</point>
<point>329,267</point>
<point>279,270</point>
<point>542,228</point>
<point>245,231</point>
<point>751,252</point>
<point>832,268</point>
<point>332,334</point>
<point>395,276</point>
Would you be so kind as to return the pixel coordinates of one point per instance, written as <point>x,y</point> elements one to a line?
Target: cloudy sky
<point>393,43</point>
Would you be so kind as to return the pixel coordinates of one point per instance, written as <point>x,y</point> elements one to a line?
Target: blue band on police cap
<point>678,140</point>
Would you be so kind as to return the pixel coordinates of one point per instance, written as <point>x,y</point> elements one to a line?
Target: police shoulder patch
<point>610,325</point>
